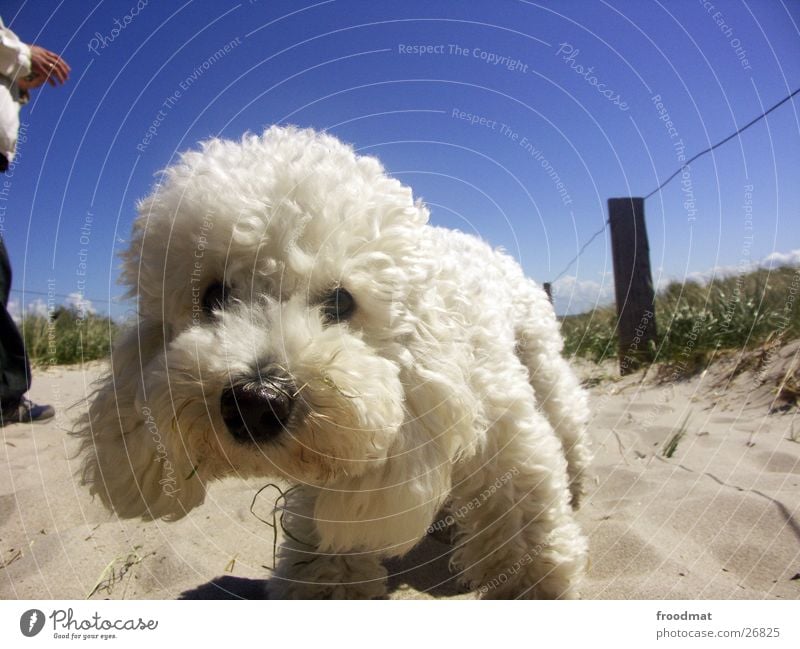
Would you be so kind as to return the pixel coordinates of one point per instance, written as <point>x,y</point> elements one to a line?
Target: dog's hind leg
<point>303,572</point>
<point>516,533</point>
<point>554,383</point>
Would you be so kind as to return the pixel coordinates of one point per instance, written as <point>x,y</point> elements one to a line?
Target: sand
<point>719,519</point>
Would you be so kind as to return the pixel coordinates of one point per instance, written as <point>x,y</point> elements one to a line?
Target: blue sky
<point>551,141</point>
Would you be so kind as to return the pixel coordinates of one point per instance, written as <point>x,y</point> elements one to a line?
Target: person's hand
<point>31,81</point>
<point>45,66</point>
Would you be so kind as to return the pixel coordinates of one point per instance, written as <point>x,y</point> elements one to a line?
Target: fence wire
<point>682,167</point>
<point>605,224</point>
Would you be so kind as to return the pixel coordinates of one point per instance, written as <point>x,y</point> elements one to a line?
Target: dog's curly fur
<point>444,384</point>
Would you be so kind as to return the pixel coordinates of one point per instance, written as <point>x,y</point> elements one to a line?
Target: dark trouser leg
<point>15,373</point>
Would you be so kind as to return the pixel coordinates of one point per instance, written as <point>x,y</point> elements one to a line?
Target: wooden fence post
<point>633,283</point>
<point>548,288</point>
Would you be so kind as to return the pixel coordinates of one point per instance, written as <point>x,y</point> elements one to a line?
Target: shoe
<point>25,412</point>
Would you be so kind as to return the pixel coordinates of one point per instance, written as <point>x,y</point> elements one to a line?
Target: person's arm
<point>45,66</point>
<point>15,56</point>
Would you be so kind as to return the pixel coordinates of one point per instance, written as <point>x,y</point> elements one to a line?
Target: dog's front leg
<point>516,534</point>
<point>304,572</point>
<point>310,575</point>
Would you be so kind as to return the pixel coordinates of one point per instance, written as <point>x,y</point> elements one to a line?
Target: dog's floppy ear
<point>387,511</point>
<point>390,509</point>
<point>129,461</point>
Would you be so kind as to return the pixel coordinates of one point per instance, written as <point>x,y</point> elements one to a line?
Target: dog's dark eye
<point>339,305</point>
<point>214,297</point>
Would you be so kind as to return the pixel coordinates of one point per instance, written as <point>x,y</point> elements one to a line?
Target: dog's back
<point>487,287</point>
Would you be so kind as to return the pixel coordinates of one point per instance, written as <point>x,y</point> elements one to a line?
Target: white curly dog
<point>298,318</point>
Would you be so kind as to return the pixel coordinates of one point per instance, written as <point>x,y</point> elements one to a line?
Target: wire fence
<point>582,249</point>
<point>24,291</point>
<point>671,177</point>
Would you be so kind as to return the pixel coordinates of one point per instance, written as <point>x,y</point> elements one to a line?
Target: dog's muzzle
<point>258,410</point>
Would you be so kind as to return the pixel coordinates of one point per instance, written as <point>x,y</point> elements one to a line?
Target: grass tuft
<point>67,337</point>
<point>672,443</point>
<point>696,320</point>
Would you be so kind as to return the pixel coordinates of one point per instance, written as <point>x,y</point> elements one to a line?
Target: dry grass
<point>67,337</point>
<point>697,320</point>
<point>671,444</point>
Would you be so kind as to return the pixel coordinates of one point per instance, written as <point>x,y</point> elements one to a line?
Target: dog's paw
<point>330,577</point>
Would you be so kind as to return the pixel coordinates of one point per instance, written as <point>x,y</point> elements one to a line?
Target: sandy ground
<point>718,519</point>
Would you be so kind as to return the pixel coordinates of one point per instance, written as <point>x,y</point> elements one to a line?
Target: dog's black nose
<point>257,411</point>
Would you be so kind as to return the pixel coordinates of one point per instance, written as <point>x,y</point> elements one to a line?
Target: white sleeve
<point>15,56</point>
